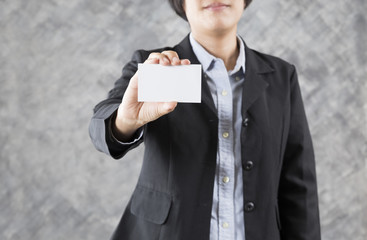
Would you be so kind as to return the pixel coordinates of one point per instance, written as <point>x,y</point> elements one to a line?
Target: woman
<point>239,165</point>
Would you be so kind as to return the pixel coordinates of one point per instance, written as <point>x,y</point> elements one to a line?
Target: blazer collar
<point>254,83</point>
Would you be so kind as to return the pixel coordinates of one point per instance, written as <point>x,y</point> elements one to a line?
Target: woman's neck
<point>223,46</point>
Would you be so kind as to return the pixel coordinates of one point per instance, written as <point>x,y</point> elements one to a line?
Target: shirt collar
<point>206,58</point>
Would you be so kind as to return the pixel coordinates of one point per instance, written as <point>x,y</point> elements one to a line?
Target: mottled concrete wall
<point>59,58</point>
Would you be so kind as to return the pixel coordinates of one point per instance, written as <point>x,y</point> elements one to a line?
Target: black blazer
<point>173,196</point>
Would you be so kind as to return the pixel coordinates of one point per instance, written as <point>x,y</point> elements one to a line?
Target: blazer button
<point>249,165</point>
<point>249,207</point>
<point>245,122</point>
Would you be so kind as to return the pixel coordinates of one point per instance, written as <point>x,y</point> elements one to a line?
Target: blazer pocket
<point>150,205</point>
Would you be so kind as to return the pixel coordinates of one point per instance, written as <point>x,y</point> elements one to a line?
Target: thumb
<point>168,107</point>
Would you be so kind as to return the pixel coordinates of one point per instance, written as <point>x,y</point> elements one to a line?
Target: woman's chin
<point>220,27</point>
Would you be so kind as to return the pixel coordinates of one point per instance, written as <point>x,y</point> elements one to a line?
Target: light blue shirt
<point>227,220</point>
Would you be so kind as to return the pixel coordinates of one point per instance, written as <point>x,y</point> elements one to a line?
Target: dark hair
<point>177,5</point>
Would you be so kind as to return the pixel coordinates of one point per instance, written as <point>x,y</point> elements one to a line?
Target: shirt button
<point>225,225</point>
<point>237,78</point>
<point>224,93</point>
<point>225,134</point>
<point>225,179</point>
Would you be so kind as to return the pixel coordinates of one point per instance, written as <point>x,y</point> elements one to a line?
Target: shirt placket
<point>225,152</point>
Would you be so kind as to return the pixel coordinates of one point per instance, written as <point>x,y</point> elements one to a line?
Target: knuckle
<point>154,54</point>
<point>170,52</point>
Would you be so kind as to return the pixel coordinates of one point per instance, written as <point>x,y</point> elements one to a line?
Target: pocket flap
<point>151,205</point>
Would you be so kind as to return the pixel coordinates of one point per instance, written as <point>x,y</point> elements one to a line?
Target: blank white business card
<point>157,83</point>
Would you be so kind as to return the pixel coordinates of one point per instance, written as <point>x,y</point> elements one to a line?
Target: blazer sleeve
<point>104,112</point>
<point>297,196</point>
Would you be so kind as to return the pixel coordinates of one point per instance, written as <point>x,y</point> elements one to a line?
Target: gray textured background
<point>59,58</point>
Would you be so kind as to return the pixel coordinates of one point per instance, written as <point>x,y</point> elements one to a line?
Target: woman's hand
<point>132,114</point>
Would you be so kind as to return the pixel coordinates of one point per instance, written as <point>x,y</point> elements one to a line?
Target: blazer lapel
<point>254,84</point>
<point>184,50</point>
